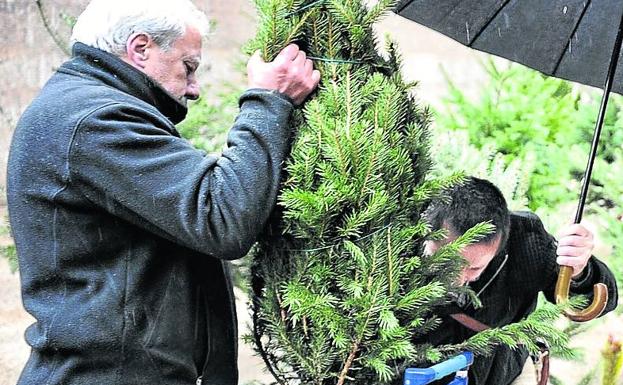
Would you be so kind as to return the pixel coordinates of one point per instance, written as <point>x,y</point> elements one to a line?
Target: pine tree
<point>341,288</point>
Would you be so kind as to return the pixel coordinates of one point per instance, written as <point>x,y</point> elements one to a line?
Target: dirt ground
<point>424,51</point>
<point>13,322</point>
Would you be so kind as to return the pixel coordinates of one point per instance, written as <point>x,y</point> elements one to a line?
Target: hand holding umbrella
<point>575,244</point>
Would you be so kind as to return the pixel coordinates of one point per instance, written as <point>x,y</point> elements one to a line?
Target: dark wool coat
<point>122,227</point>
<point>508,290</point>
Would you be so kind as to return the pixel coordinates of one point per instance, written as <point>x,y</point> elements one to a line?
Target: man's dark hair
<point>472,202</point>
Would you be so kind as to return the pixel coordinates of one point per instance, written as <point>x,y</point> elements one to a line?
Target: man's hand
<point>291,73</point>
<point>575,245</point>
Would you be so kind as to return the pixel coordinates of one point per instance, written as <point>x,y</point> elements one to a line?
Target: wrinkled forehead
<point>189,44</point>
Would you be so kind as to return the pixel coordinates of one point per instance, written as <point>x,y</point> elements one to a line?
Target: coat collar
<point>490,274</point>
<point>116,73</point>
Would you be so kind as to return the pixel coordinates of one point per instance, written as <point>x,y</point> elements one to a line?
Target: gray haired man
<point>121,226</point>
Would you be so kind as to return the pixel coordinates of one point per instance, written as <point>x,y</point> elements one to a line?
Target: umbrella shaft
<point>600,121</point>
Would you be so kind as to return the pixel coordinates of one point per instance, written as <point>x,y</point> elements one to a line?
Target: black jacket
<point>122,227</point>
<point>508,290</point>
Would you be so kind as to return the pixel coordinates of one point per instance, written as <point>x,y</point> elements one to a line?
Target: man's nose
<point>468,276</point>
<point>462,279</point>
<point>193,91</point>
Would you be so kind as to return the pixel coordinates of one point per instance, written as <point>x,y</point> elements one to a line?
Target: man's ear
<point>138,49</point>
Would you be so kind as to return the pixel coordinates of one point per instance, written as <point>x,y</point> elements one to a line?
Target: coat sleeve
<point>596,272</point>
<point>125,160</point>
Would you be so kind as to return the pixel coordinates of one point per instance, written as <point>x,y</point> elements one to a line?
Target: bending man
<point>507,270</point>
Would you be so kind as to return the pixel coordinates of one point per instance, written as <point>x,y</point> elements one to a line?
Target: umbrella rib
<point>400,8</point>
<point>488,22</point>
<point>575,28</point>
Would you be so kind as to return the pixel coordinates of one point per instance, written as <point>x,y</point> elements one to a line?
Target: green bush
<point>452,152</point>
<point>10,254</point>
<point>8,251</point>
<point>209,119</point>
<point>523,115</point>
<point>543,124</point>
<point>612,132</point>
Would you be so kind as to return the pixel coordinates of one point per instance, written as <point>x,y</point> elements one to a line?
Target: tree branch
<point>51,32</point>
<point>348,364</point>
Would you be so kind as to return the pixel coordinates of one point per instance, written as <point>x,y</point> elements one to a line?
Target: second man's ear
<point>137,49</point>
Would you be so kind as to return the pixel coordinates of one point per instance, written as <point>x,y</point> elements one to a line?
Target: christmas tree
<point>341,288</point>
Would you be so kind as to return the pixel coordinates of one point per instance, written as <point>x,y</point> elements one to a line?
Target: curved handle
<point>600,297</point>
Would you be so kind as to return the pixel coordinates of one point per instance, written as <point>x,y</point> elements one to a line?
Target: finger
<point>571,251</point>
<point>576,265</point>
<point>309,67</point>
<point>574,229</point>
<point>287,54</point>
<point>316,77</point>
<point>300,59</point>
<point>312,80</point>
<point>256,57</point>
<point>574,240</point>
<point>570,261</point>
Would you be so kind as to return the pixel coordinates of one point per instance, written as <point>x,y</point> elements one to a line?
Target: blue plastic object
<point>457,364</point>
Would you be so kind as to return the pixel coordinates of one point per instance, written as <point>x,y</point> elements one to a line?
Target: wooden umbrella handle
<point>600,297</point>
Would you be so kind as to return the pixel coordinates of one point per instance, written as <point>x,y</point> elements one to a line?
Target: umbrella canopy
<point>568,39</point>
<point>577,40</point>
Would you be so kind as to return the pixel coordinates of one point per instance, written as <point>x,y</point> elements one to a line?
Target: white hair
<point>108,24</point>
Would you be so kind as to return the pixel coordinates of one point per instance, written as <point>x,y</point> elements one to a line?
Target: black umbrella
<point>577,40</point>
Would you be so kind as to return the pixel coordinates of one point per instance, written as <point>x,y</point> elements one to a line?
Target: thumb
<point>256,58</point>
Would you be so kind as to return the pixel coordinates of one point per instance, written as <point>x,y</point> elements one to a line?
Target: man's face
<point>174,69</point>
<point>477,255</point>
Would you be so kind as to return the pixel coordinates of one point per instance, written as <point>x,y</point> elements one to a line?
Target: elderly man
<point>121,226</point>
<point>507,269</point>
